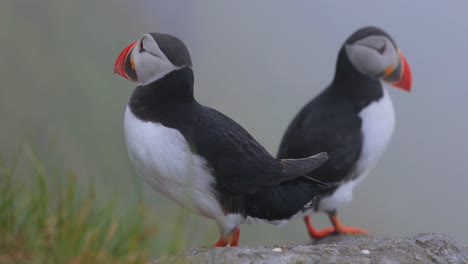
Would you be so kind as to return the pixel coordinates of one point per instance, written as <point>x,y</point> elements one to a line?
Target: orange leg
<point>232,238</point>
<point>235,238</point>
<point>222,242</point>
<point>317,234</point>
<point>340,229</point>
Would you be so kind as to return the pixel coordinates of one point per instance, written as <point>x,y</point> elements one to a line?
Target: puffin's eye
<point>141,47</point>
<point>381,50</point>
<point>377,44</point>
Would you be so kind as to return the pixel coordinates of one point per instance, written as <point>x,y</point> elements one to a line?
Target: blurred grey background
<point>258,62</point>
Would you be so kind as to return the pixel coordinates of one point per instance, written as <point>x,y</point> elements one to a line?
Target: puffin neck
<point>173,89</point>
<point>350,82</point>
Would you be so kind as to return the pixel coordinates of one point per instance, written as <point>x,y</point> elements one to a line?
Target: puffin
<point>352,119</point>
<point>198,157</point>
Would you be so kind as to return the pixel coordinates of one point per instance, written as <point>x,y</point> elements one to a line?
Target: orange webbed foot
<point>341,229</point>
<point>317,234</point>
<point>232,239</point>
<point>337,228</point>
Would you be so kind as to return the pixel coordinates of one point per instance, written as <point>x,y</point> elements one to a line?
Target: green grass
<point>48,218</point>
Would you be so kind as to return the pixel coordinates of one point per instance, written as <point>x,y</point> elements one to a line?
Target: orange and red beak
<point>124,65</point>
<point>399,75</point>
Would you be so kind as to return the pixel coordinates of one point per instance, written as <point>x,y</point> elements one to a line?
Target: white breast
<point>162,156</point>
<point>378,123</point>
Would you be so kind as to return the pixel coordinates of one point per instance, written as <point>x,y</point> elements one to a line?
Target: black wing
<point>327,123</point>
<point>240,163</point>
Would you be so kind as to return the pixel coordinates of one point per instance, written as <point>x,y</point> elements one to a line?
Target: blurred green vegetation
<point>50,219</point>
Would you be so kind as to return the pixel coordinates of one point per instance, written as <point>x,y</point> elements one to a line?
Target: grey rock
<point>423,248</point>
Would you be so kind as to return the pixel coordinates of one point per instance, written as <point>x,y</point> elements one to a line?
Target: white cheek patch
<point>151,65</point>
<point>365,57</point>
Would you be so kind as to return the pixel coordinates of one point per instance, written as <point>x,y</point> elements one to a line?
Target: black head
<point>368,31</point>
<point>174,49</point>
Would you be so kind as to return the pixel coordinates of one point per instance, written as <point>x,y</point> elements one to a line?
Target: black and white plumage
<point>198,157</point>
<point>356,118</point>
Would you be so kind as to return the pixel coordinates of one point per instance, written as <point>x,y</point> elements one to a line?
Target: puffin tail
<point>295,168</point>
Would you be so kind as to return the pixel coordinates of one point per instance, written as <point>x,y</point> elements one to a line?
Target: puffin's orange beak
<point>124,64</point>
<point>399,76</point>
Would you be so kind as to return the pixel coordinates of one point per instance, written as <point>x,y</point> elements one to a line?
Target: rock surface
<point>423,248</point>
